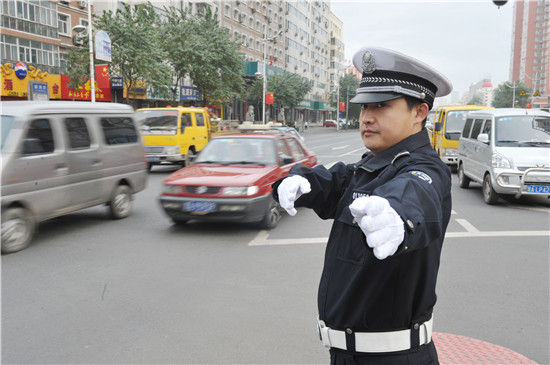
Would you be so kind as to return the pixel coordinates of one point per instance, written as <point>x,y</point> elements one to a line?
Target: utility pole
<point>347,102</point>
<point>90,37</point>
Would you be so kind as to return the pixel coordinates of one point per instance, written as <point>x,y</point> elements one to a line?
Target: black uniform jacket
<point>357,290</point>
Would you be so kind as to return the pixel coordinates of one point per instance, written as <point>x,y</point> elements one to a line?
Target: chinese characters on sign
<point>190,93</point>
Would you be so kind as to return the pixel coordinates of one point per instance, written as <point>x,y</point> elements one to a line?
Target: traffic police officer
<point>390,211</point>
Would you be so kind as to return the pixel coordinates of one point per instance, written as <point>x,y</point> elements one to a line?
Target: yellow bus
<point>448,122</point>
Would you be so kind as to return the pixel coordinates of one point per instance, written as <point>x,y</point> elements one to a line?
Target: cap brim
<point>365,98</point>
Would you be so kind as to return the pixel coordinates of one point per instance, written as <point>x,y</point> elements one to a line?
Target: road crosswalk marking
<point>469,227</point>
<point>262,239</point>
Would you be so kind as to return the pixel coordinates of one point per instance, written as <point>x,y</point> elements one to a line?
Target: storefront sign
<point>342,106</point>
<point>20,70</point>
<point>138,90</point>
<point>12,86</point>
<point>102,87</point>
<point>117,83</point>
<point>102,46</point>
<point>38,90</point>
<point>190,93</point>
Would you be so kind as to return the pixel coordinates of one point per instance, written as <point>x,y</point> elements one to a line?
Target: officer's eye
<point>373,106</point>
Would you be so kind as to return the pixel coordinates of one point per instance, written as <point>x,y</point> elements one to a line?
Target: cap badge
<point>369,66</point>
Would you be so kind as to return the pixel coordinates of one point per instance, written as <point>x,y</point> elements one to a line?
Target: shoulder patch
<point>422,176</point>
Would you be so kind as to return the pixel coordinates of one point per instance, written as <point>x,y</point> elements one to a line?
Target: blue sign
<point>117,83</point>
<point>39,88</point>
<point>190,93</point>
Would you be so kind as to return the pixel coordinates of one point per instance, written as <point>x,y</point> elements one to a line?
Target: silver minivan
<point>59,157</point>
<point>507,151</point>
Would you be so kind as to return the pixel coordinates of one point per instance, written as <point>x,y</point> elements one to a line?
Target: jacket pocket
<point>352,245</point>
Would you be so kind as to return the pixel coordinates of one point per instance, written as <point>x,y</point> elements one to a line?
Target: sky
<point>464,40</point>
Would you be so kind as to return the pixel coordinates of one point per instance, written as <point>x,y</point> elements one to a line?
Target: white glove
<point>381,224</point>
<point>290,189</point>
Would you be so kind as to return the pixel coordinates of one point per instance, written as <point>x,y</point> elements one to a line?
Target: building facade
<point>530,48</point>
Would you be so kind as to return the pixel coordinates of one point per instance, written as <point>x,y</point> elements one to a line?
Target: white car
<point>507,151</point>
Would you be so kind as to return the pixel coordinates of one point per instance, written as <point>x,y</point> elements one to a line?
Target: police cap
<point>389,75</point>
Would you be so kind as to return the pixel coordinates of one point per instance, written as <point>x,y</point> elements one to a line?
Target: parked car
<point>173,135</point>
<point>329,123</point>
<point>507,151</point>
<point>60,157</point>
<point>231,179</point>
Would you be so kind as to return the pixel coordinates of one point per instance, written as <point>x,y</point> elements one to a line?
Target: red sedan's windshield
<point>259,151</point>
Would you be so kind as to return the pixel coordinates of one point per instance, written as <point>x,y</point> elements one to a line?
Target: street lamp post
<point>91,46</point>
<point>265,40</point>
<point>513,93</point>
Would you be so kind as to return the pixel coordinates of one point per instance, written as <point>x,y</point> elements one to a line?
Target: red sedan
<point>231,179</point>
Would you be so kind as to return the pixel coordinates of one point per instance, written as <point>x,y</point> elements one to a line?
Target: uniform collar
<point>409,144</point>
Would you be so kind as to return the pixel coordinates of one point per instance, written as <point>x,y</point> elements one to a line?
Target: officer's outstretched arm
<point>327,187</point>
<point>421,196</point>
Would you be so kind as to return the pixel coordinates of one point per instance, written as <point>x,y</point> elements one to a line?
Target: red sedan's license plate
<point>199,207</point>
<point>538,189</point>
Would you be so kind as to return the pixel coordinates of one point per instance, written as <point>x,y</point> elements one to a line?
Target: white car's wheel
<point>490,196</point>
<point>121,202</point>
<point>17,229</point>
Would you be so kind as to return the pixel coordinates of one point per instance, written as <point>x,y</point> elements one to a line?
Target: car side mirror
<point>287,160</point>
<point>483,138</point>
<point>437,126</point>
<point>32,146</point>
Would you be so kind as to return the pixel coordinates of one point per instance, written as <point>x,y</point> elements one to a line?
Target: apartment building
<point>531,46</point>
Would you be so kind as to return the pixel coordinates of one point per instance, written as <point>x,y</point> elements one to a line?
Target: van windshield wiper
<point>535,143</point>
<point>246,163</point>
<point>507,141</point>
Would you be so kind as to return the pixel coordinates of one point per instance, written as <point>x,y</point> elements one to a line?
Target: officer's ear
<point>421,112</point>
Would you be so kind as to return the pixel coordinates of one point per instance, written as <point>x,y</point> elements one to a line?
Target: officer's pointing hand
<point>382,226</point>
<point>290,189</point>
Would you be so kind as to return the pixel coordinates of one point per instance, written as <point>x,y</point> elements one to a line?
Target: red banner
<point>342,106</point>
<point>269,98</point>
<point>102,86</point>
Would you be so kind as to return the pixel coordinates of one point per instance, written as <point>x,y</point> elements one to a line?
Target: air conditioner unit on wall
<point>82,4</point>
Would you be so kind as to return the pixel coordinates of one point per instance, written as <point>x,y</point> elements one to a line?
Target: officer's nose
<point>365,117</point>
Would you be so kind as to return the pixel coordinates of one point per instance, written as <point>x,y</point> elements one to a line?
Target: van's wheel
<point>463,180</point>
<point>17,229</point>
<point>189,156</point>
<point>121,202</point>
<point>272,216</point>
<point>489,194</point>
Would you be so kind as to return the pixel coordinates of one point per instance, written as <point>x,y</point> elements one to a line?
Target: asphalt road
<point>140,290</point>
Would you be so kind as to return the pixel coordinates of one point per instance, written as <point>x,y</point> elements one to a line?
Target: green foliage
<point>199,48</point>
<point>502,97</point>
<point>136,44</point>
<point>78,66</point>
<point>289,89</point>
<point>348,87</point>
<point>475,100</point>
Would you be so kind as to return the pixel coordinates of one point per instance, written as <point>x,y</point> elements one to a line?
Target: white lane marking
<point>469,227</point>
<point>533,209</point>
<point>452,212</point>
<point>352,152</point>
<point>340,147</point>
<point>263,241</point>
<point>329,165</point>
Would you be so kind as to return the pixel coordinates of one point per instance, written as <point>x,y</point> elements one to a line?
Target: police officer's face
<point>387,123</point>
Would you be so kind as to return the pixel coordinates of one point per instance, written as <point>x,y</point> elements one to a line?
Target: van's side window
<point>477,128</point>
<point>487,128</point>
<point>79,137</point>
<point>39,138</point>
<point>467,128</point>
<point>200,119</point>
<point>185,121</point>
<point>118,130</point>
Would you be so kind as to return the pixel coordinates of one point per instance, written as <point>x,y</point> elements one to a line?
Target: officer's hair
<point>412,102</point>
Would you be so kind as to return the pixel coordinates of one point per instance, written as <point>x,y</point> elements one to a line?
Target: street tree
<point>503,94</point>
<point>78,66</point>
<point>199,48</point>
<point>289,89</point>
<point>349,84</point>
<point>136,45</point>
<point>475,100</point>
